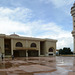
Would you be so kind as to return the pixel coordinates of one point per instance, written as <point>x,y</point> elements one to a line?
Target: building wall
<point>36,42</point>
<point>26,43</point>
<point>18,40</point>
<point>42,48</point>
<point>2,45</point>
<point>49,44</point>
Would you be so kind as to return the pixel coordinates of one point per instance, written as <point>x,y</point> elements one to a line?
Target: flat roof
<point>15,36</point>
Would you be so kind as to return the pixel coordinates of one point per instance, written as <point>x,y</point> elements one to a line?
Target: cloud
<point>11,20</point>
<point>8,26</point>
<point>63,5</point>
<point>59,3</point>
<point>18,14</point>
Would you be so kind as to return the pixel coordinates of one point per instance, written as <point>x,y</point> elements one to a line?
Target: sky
<point>38,18</point>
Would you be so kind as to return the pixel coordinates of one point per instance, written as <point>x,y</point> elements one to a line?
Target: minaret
<point>73,32</point>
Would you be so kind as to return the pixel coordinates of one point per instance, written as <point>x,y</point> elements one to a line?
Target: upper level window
<point>33,45</point>
<point>19,44</point>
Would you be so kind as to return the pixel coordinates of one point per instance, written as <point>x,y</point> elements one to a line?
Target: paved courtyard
<point>38,66</point>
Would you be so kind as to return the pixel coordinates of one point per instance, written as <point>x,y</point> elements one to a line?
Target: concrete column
<point>26,53</point>
<point>11,46</point>
<point>39,53</point>
<point>26,47</point>
<point>38,49</point>
<point>74,45</point>
<point>2,47</point>
<point>54,52</point>
<point>0,54</point>
<point>0,51</point>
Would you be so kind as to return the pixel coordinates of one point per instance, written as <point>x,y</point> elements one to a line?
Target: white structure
<point>73,32</point>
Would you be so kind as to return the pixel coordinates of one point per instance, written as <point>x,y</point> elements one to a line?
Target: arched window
<point>19,44</point>
<point>51,49</point>
<point>33,45</point>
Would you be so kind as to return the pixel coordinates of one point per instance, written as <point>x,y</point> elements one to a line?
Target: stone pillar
<point>39,53</point>
<point>0,51</point>
<point>2,47</point>
<point>26,53</point>
<point>74,45</point>
<point>11,46</point>
<point>0,54</point>
<point>26,47</point>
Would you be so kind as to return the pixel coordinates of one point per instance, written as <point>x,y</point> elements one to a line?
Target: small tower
<point>73,32</point>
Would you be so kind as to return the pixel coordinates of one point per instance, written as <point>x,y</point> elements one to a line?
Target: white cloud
<point>19,14</point>
<point>9,26</point>
<point>59,3</point>
<point>8,23</point>
<point>62,5</point>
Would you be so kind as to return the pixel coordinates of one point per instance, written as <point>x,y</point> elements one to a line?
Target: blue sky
<point>38,18</point>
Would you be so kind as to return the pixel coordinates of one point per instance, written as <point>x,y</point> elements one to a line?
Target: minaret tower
<point>73,32</point>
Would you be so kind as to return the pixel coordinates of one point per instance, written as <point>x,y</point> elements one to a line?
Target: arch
<point>33,45</point>
<point>19,44</point>
<point>51,49</point>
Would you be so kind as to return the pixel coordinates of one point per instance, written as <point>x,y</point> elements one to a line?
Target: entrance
<point>32,53</point>
<point>7,46</point>
<point>19,53</point>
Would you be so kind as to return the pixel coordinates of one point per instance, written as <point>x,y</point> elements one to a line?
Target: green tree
<point>60,51</point>
<point>65,50</point>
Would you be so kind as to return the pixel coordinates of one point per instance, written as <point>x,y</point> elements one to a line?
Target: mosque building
<point>20,46</point>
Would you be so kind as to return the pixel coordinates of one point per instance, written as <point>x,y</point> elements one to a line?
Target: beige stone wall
<point>36,42</point>
<point>37,45</point>
<point>26,43</point>
<point>50,44</point>
<point>18,40</point>
<point>2,45</point>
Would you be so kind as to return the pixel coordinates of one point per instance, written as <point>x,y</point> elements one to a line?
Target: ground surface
<point>38,66</point>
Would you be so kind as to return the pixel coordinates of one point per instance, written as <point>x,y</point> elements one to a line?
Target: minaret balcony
<point>73,12</point>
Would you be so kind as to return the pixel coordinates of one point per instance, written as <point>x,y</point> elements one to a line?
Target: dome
<point>14,34</point>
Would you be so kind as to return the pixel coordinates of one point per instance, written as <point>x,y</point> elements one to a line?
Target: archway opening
<point>51,49</point>
<point>33,45</point>
<point>19,44</point>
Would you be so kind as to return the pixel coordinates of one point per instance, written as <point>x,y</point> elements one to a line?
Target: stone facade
<point>20,46</point>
